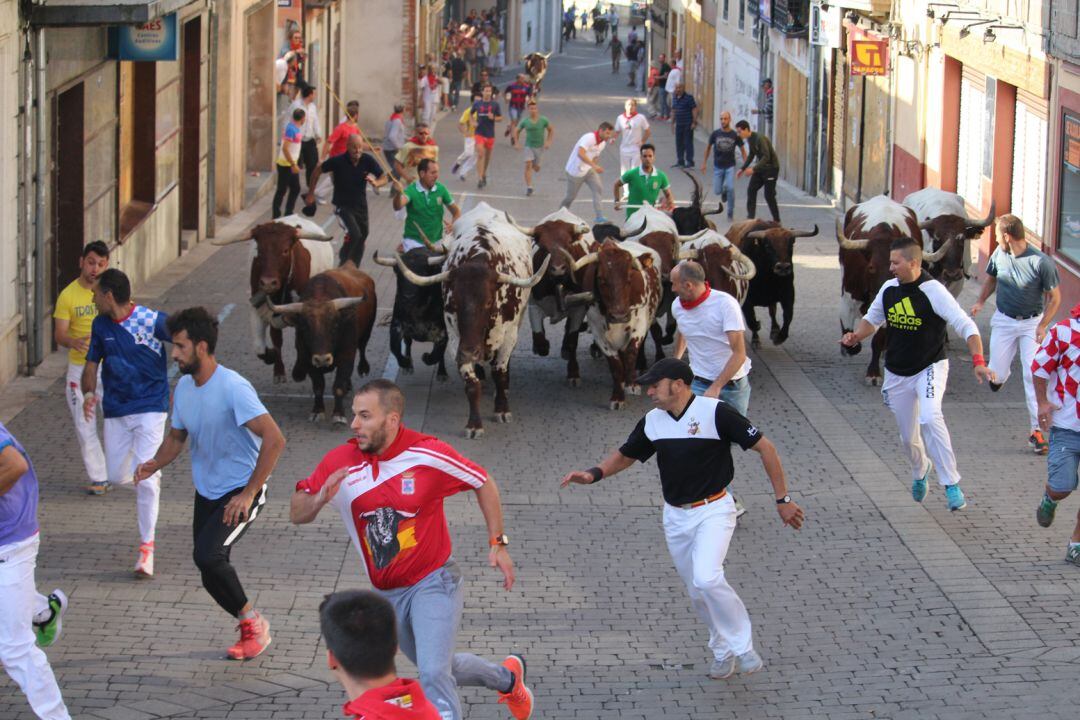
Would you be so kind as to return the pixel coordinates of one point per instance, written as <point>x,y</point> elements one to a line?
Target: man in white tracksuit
<point>918,310</point>
<point>633,131</point>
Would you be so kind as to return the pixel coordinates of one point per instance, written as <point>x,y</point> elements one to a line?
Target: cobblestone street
<point>878,608</point>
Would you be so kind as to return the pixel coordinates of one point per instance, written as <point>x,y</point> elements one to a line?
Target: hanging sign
<point>825,24</point>
<point>868,53</point>
<point>154,40</point>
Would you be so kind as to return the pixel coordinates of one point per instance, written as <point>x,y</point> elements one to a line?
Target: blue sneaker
<point>600,219</point>
<point>956,497</point>
<point>918,487</point>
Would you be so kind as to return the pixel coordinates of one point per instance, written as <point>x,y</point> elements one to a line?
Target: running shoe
<point>1044,514</point>
<point>956,497</point>
<point>254,638</point>
<point>520,698</point>
<point>600,219</point>
<point>461,177</point>
<point>453,170</point>
<point>740,510</point>
<point>97,488</point>
<point>47,629</point>
<point>144,566</point>
<point>1038,442</point>
<point>994,386</point>
<point>749,662</point>
<point>722,668</point>
<point>528,192</point>
<point>1072,555</point>
<point>919,487</point>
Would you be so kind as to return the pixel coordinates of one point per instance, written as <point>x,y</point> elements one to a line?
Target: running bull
<point>418,311</point>
<point>333,320</point>
<point>726,267</point>
<point>947,233</point>
<point>536,64</point>
<point>486,282</point>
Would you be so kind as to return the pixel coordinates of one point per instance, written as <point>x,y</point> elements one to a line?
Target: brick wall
<point>408,56</point>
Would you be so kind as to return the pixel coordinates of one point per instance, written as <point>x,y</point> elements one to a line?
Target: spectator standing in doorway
<point>684,114</point>
<point>766,109</point>
<point>309,131</point>
<point>664,107</point>
<point>288,167</point>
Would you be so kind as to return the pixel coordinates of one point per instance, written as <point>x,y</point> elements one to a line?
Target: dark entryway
<point>68,215</point>
<point>189,145</point>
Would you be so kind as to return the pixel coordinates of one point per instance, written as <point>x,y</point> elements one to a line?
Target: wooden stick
<point>378,156</point>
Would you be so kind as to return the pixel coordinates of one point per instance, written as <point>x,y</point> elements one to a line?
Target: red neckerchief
<point>597,136</point>
<point>696,301</point>
<point>629,117</point>
<point>396,116</point>
<point>417,141</point>
<point>432,81</point>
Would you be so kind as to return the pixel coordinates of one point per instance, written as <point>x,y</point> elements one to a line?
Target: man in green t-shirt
<point>645,183</point>
<point>538,133</point>
<point>423,204</point>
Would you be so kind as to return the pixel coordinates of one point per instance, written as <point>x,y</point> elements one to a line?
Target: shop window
<point>724,9</point>
<point>742,14</point>
<point>1029,168</point>
<point>791,17</point>
<point>1069,221</point>
<point>138,96</point>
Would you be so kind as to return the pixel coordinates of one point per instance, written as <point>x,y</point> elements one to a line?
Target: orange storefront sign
<point>868,54</point>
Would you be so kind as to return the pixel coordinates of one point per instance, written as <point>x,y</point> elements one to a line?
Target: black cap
<point>669,369</point>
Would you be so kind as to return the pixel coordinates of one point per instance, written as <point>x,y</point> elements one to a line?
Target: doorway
<point>189,142</point>
<point>68,218</point>
<point>259,118</point>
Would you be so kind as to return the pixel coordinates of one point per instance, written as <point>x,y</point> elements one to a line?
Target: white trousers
<point>916,403</point>
<point>1006,337</point>
<point>129,441</point>
<point>22,658</point>
<point>698,541</point>
<point>430,105</point>
<point>85,430</point>
<point>629,159</point>
<point>466,161</point>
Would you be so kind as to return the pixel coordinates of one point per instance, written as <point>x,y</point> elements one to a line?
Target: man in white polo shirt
<point>633,130</point>
<point>582,168</point>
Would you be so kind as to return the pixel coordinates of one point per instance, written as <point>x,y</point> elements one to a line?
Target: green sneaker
<point>47,630</point>
<point>1044,514</point>
<point>1072,555</point>
<point>919,487</point>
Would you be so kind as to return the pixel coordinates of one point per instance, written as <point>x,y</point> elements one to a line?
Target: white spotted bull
<point>947,233</point>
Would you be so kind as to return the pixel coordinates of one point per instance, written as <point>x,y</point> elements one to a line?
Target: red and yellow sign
<point>868,54</point>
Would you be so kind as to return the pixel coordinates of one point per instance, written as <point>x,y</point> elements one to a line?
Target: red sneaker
<point>520,698</point>
<point>254,638</point>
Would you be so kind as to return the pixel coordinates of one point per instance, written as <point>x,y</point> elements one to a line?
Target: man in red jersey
<point>389,483</point>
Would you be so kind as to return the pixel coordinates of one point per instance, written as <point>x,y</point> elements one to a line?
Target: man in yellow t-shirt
<point>74,314</point>
<point>466,161</point>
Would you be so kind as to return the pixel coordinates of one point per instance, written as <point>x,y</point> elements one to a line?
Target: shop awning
<point>61,13</point>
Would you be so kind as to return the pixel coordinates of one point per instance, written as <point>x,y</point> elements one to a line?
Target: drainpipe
<point>36,347</point>
<point>812,120</point>
<point>26,251</point>
<point>211,121</point>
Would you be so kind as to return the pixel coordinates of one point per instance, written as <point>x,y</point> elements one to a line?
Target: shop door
<point>68,218</point>
<point>189,145</point>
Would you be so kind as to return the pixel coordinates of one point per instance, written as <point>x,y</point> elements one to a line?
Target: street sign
<point>151,41</point>
<point>825,25</point>
<point>868,53</point>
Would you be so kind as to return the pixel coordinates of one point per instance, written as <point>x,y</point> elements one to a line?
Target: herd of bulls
<point>472,289</point>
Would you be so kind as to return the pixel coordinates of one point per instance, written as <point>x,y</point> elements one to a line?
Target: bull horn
<point>695,236</point>
<point>387,262</point>
<point>637,263</point>
<point>624,233</point>
<point>581,297</point>
<point>563,251</point>
<point>848,244</point>
<point>755,235</point>
<point>231,241</point>
<point>691,254</point>
<point>286,309</point>
<point>719,209</point>
<point>526,230</point>
<point>526,282</point>
<point>419,280</point>
<point>524,58</point>
<point>346,303</point>
<point>436,260</point>
<point>321,237</point>
<point>581,229</point>
<point>925,225</point>
<point>936,255</point>
<point>737,256</point>
<point>987,220</point>
<point>585,260</point>
<point>805,233</point>
<point>544,56</point>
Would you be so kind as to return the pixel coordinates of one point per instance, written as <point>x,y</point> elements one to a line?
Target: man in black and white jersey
<point>918,309</point>
<point>691,437</point>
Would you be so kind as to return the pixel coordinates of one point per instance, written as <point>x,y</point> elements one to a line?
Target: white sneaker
<point>144,566</point>
<point>750,662</point>
<point>739,509</point>
<point>722,668</point>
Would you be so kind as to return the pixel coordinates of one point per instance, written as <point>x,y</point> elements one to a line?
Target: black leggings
<point>289,181</point>
<point>356,224</point>
<point>213,544</point>
<point>760,180</point>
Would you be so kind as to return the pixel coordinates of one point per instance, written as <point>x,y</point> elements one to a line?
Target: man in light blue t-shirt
<point>234,447</point>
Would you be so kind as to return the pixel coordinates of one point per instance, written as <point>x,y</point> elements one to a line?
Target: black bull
<point>418,312</point>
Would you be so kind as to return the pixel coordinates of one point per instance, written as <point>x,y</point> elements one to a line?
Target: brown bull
<point>333,321</point>
<point>536,64</point>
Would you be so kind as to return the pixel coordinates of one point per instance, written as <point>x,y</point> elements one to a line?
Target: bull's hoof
<point>659,354</point>
<point>872,380</point>
<point>474,433</point>
<point>280,379</point>
<point>363,368</point>
<point>774,336</point>
<point>853,350</point>
<point>595,352</point>
<point>504,417</point>
<point>269,357</point>
<point>541,346</point>
<point>778,338</point>
<point>442,377</point>
<point>315,417</point>
<point>667,339</point>
<point>755,342</point>
<point>566,354</point>
<point>339,421</point>
<point>405,364</point>
<point>633,389</point>
<point>429,358</point>
<point>405,370</point>
<point>573,382</point>
<point>298,374</point>
<point>617,404</point>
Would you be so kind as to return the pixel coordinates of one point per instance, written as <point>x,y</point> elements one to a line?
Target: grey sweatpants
<point>428,615</point>
<point>573,184</point>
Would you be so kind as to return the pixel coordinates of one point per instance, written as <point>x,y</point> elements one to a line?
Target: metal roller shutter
<point>972,133</point>
<point>1029,163</point>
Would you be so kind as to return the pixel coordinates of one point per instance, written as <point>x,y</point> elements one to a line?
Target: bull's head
<point>275,244</point>
<point>949,237</point>
<point>691,219</point>
<point>604,231</point>
<point>724,263</point>
<point>776,246</point>
<point>875,244</point>
<point>615,268</point>
<point>555,239</point>
<point>317,324</point>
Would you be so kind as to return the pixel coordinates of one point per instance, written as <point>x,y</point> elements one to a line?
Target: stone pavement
<point>878,608</point>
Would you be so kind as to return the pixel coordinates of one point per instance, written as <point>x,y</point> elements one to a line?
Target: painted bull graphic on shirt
<point>381,534</point>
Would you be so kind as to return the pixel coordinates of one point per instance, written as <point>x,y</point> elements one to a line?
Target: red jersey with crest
<point>392,504</point>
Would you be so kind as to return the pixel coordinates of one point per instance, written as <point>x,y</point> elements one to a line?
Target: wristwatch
<point>499,540</point>
<point>784,500</point>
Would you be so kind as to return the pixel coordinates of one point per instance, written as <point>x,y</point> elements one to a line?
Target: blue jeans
<point>428,615</point>
<point>1063,460</point>
<point>723,186</point>
<point>737,397</point>
<point>664,101</point>
<point>684,144</point>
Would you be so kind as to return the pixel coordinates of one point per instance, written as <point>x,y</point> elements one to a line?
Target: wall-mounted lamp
<point>966,30</point>
<point>958,14</point>
<point>990,36</point>
<point>931,13</point>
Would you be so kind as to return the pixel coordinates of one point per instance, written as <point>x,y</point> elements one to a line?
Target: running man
<point>74,314</point>
<point>722,144</point>
<point>633,131</point>
<point>28,617</point>
<point>538,134</point>
<point>398,526</point>
<point>1056,361</point>
<point>360,633</point>
<point>1028,296</point>
<point>518,94</point>
<point>763,173</point>
<point>466,161</point>
<point>424,204</point>
<point>488,113</point>
<point>691,437</point>
<point>917,309</point>
<point>126,341</point>
<point>582,168</point>
<point>646,182</point>
<point>235,445</point>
